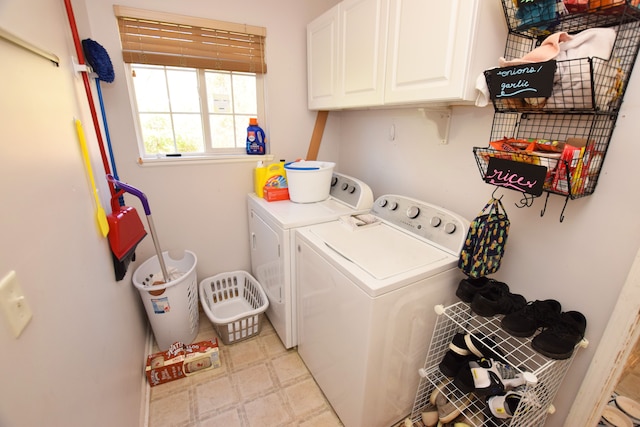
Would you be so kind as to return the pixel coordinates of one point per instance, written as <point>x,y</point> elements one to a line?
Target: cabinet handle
<point>253,241</point>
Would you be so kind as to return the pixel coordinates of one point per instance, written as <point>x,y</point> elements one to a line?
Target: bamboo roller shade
<point>158,38</point>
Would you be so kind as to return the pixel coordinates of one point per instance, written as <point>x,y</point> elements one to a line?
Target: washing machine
<point>271,230</point>
<point>366,296</point>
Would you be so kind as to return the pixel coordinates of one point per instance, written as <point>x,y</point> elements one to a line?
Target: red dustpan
<point>125,228</point>
<point>125,232</point>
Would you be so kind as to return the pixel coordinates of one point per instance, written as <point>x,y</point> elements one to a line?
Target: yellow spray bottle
<point>259,178</point>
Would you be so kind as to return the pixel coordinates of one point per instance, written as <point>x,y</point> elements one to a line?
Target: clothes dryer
<point>366,294</point>
<point>271,230</point>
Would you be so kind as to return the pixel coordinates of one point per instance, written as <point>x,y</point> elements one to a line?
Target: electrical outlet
<point>13,303</point>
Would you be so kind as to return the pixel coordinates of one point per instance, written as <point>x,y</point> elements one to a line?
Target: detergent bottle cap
<point>253,121</point>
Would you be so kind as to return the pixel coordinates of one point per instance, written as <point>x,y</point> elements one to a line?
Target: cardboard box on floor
<point>181,361</point>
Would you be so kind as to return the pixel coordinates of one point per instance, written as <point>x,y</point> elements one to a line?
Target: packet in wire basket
<point>359,221</point>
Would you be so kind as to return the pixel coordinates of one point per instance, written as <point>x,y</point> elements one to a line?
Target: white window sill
<point>202,159</point>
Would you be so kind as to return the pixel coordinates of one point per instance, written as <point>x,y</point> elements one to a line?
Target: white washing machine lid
<point>292,215</point>
<point>382,251</point>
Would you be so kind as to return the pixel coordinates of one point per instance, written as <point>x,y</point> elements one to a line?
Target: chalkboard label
<point>521,81</point>
<point>519,176</point>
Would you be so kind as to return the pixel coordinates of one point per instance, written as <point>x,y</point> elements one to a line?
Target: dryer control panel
<point>351,191</point>
<point>430,222</point>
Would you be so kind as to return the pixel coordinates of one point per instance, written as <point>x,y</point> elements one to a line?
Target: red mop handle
<point>87,89</point>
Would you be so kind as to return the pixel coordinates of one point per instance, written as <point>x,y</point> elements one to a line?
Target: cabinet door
<point>361,64</point>
<point>429,46</point>
<point>322,60</point>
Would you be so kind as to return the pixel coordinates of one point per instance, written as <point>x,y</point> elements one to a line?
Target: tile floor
<point>260,383</point>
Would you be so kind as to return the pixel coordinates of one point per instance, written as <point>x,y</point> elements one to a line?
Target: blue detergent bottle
<point>255,138</point>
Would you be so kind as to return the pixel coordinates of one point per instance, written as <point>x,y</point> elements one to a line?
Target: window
<point>193,111</point>
<point>196,82</point>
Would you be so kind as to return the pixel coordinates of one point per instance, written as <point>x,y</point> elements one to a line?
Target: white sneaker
<point>505,405</point>
<point>491,378</point>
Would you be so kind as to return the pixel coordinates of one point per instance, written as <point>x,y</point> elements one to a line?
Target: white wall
<point>582,262</point>
<point>79,362</point>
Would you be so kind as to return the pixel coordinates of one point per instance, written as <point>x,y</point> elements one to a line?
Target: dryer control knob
<point>449,228</point>
<point>435,221</point>
<point>392,206</point>
<point>382,203</point>
<point>334,181</point>
<point>352,189</point>
<point>413,212</point>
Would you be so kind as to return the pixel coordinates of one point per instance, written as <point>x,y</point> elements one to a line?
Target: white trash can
<point>172,307</point>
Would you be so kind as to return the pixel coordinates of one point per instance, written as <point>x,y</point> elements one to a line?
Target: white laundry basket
<point>172,307</point>
<point>235,303</point>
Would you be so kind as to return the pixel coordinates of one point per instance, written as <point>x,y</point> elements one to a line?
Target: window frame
<point>209,150</point>
<point>198,25</point>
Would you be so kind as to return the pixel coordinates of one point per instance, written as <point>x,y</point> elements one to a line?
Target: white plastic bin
<point>172,307</point>
<point>235,303</point>
<point>309,181</point>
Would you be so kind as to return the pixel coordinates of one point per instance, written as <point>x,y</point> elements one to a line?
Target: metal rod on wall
<point>28,46</point>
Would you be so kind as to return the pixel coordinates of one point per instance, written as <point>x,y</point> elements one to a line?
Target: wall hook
<point>493,195</point>
<point>544,208</point>
<point>526,201</point>
<point>566,199</point>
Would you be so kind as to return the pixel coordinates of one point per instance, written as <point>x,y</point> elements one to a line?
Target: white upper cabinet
<point>346,55</point>
<point>361,61</point>
<point>322,60</point>
<point>394,52</point>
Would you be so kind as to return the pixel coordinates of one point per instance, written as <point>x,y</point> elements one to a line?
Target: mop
<point>98,58</point>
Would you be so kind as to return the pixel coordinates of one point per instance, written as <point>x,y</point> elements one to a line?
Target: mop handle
<point>145,203</point>
<point>156,244</point>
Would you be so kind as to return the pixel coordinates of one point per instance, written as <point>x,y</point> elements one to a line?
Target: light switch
<point>13,303</point>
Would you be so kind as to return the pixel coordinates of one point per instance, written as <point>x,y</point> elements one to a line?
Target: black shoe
<point>467,288</point>
<point>464,380</point>
<point>559,340</point>
<point>479,347</point>
<point>536,314</point>
<point>465,348</point>
<point>456,357</point>
<point>496,299</point>
<point>468,378</point>
<point>483,347</point>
